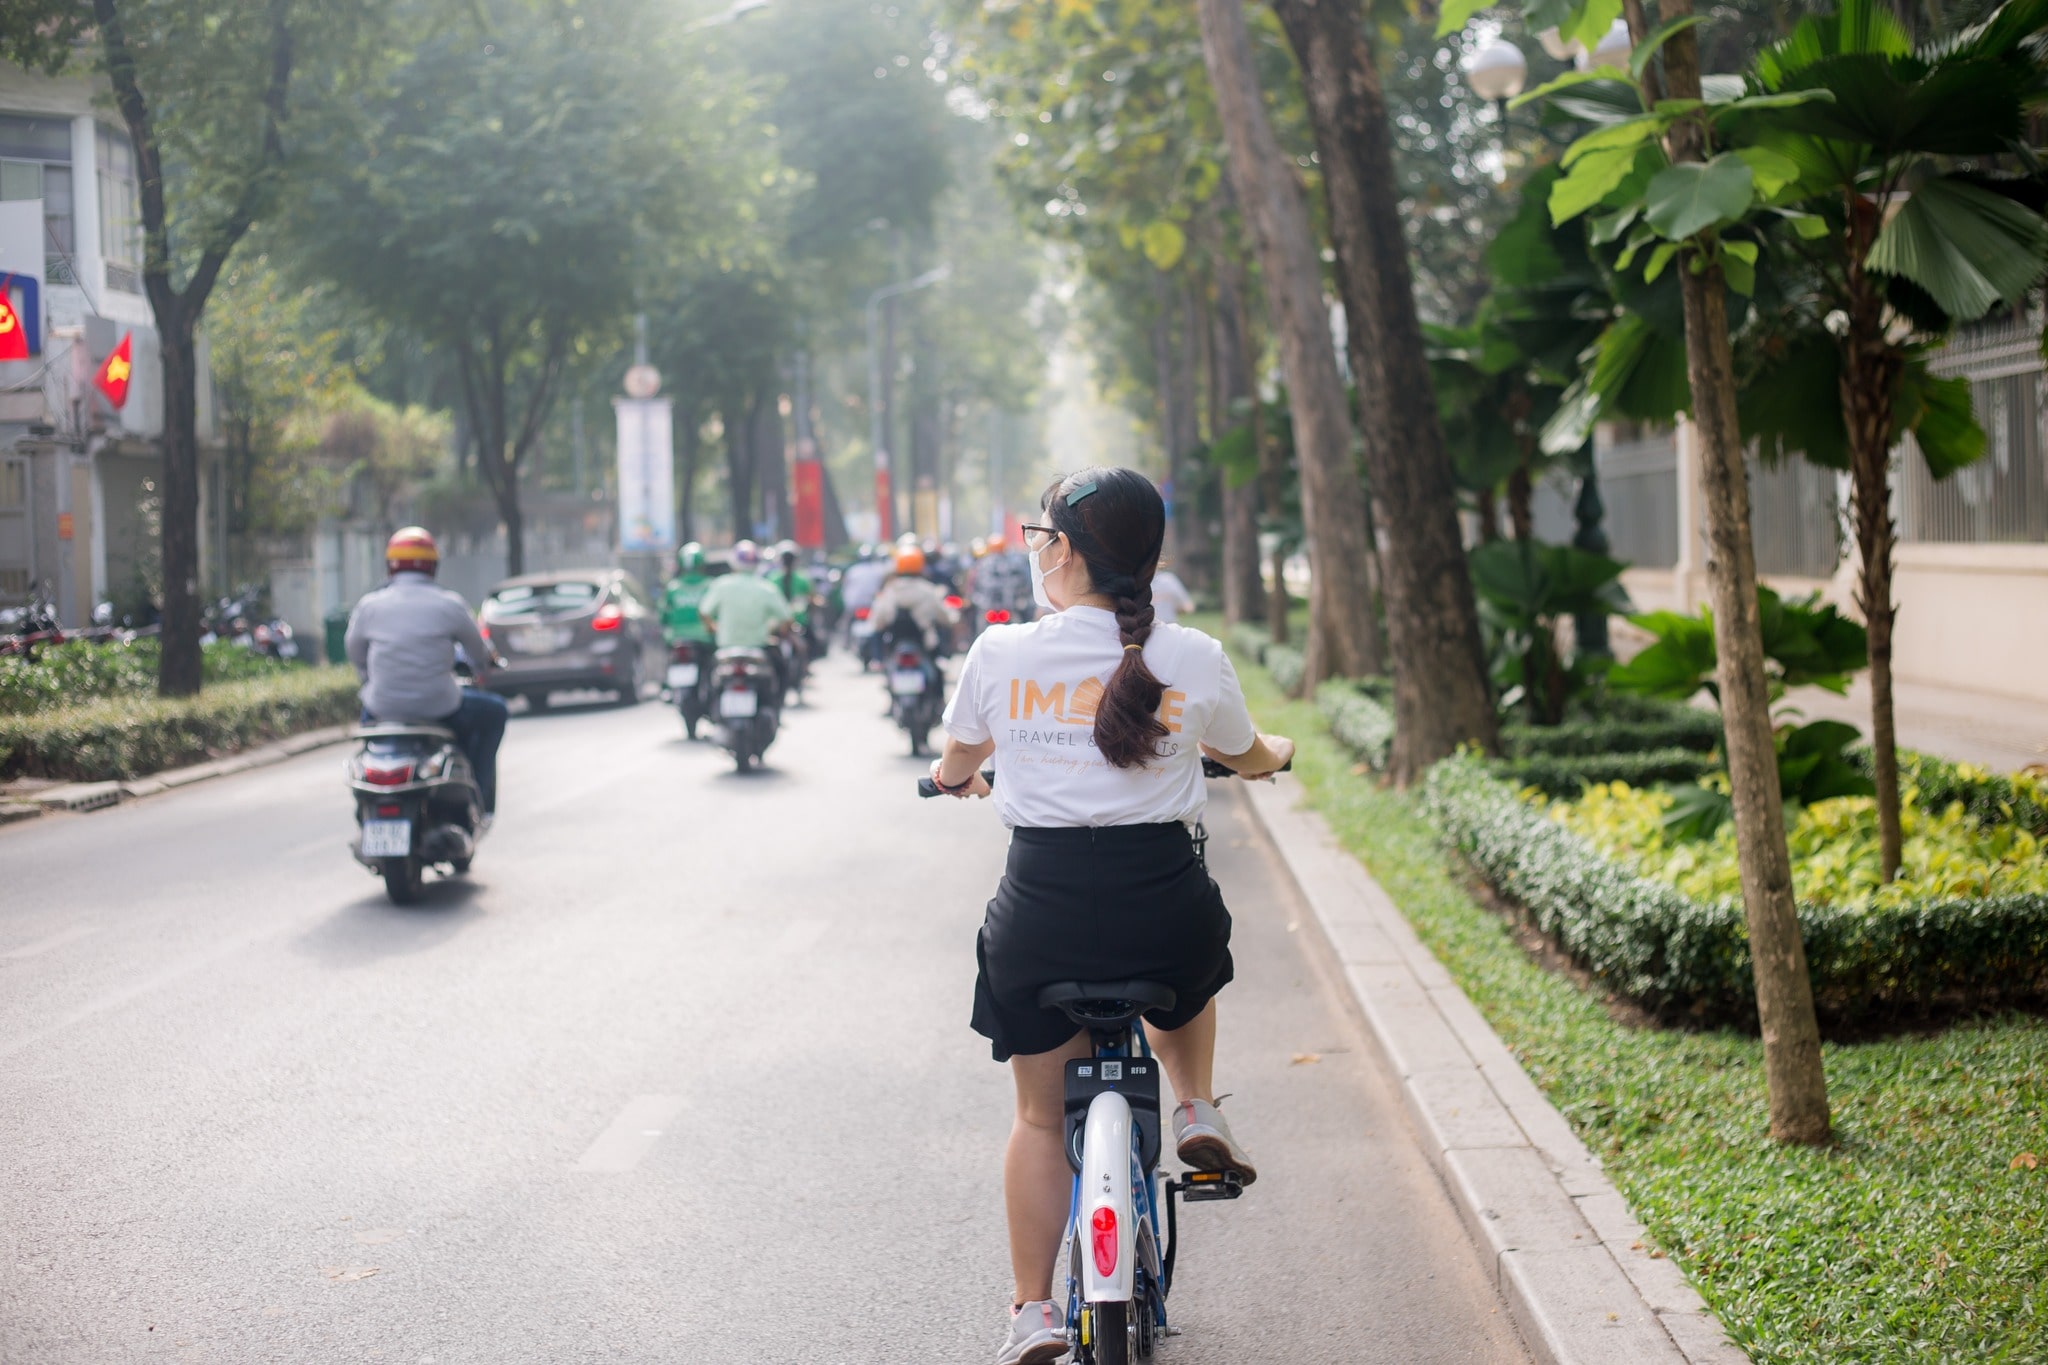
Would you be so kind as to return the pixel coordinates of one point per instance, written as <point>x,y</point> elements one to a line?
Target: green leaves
<point>1939,413</point>
<point>1689,198</point>
<point>1163,242</point>
<point>1811,766</point>
<point>1595,175</point>
<point>1968,248</point>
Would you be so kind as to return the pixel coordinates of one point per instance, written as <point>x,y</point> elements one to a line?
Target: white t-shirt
<point>1170,597</point>
<point>1033,689</point>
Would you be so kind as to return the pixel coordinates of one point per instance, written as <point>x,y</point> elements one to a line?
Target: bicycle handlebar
<point>927,788</point>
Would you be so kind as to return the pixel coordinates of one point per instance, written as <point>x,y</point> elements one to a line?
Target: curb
<point>1568,1256</point>
<point>83,797</point>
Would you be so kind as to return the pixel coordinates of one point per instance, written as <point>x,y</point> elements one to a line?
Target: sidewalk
<point>2001,733</point>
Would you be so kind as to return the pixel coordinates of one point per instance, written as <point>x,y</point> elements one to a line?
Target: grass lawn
<point>1921,1235</point>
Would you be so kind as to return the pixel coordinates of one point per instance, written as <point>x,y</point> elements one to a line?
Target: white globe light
<point>1554,43</point>
<point>642,381</point>
<point>1497,71</point>
<point>1613,50</point>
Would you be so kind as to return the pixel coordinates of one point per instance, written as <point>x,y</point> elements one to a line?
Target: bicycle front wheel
<point>1112,1333</point>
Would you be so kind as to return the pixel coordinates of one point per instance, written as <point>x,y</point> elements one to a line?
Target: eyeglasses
<point>1046,535</point>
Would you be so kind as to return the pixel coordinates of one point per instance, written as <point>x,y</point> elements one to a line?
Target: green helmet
<point>690,559</point>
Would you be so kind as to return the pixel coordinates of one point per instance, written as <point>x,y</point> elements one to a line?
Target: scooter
<point>917,689</point>
<point>689,682</point>
<point>746,698</point>
<point>417,805</point>
<point>26,629</point>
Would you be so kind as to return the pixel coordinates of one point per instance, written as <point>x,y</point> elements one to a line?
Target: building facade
<point>79,492</point>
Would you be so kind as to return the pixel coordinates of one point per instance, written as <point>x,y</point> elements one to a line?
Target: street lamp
<point>884,498</point>
<point>1559,49</point>
<point>1497,72</point>
<point>1612,50</point>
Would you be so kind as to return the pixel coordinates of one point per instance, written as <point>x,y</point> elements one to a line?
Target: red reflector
<point>999,617</point>
<point>907,660</point>
<point>955,602</point>
<point>860,613</point>
<point>386,812</point>
<point>388,777</point>
<point>610,616</point>
<point>483,628</point>
<point>1103,1226</point>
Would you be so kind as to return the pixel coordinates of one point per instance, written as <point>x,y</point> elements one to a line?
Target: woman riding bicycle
<point>1098,719</point>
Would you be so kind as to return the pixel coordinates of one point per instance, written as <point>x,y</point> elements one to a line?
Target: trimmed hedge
<point>1644,940</point>
<point>1360,721</point>
<point>1684,727</point>
<point>1287,665</point>
<point>1250,641</point>
<point>122,737</point>
<point>1567,774</point>
<point>1992,798</point>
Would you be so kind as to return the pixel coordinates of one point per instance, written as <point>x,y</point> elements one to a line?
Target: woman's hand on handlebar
<point>1268,755</point>
<point>977,785</point>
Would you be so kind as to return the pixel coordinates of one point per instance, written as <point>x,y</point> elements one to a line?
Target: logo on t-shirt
<point>1077,705</point>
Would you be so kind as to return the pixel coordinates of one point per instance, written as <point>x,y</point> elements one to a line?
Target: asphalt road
<point>682,1072</point>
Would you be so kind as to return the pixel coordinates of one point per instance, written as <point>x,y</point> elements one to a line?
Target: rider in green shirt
<point>680,618</point>
<point>795,584</point>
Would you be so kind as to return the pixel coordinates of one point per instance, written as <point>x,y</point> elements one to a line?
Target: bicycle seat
<point>1106,1004</point>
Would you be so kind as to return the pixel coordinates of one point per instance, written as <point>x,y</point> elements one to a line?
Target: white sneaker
<point>1202,1140</point>
<point>1038,1335</point>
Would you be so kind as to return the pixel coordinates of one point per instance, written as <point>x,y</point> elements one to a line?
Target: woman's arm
<point>1268,755</point>
<point>959,763</point>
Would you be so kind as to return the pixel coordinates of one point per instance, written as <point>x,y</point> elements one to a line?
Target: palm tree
<point>1912,215</point>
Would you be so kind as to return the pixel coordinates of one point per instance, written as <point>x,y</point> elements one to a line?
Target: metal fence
<point>2003,497</point>
<point>1639,485</point>
<point>1795,518</point>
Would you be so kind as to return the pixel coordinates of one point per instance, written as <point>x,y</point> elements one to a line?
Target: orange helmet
<point>997,545</point>
<point>411,549</point>
<point>910,560</point>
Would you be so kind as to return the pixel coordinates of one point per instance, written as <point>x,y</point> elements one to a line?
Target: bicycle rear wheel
<point>1111,1336</point>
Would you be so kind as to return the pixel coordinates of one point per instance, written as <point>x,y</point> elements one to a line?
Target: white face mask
<point>1038,592</point>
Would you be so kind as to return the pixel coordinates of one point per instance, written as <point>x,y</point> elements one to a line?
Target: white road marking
<point>197,962</point>
<point>53,942</point>
<point>800,936</point>
<point>631,1135</point>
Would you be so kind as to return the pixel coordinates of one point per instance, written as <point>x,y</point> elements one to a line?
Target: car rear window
<point>544,597</point>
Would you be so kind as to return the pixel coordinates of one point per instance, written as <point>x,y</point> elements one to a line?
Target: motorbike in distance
<point>418,804</point>
<point>746,700</point>
<point>917,689</point>
<point>690,668</point>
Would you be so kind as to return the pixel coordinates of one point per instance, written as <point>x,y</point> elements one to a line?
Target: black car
<point>573,630</point>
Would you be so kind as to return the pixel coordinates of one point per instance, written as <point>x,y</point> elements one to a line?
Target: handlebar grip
<point>1211,768</point>
<point>927,788</point>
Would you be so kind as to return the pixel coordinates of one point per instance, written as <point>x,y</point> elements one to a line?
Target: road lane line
<point>50,944</point>
<point>631,1135</point>
<point>197,962</point>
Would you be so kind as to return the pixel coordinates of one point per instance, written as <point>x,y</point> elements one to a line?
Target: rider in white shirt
<point>1098,719</point>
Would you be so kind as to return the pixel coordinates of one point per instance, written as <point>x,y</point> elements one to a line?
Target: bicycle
<point>1119,1265</point>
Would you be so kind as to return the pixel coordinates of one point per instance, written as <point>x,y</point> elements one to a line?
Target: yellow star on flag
<point>117,369</point>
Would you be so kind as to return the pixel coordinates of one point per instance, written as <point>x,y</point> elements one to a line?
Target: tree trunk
<point>1195,559</point>
<point>771,464</point>
<point>1230,387</point>
<point>1441,697</point>
<point>691,448</point>
<point>1784,991</point>
<point>179,672</point>
<point>485,387</point>
<point>1488,503</point>
<point>1332,503</point>
<point>737,418</point>
<point>1870,374</point>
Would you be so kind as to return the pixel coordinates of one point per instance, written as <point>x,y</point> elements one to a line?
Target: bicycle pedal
<point>1199,1187</point>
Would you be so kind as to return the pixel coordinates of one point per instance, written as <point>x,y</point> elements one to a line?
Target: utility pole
<point>885,517</point>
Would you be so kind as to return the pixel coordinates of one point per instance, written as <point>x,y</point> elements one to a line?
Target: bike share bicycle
<point>1123,1221</point>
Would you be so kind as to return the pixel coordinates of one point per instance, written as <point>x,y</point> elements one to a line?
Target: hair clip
<point>1083,491</point>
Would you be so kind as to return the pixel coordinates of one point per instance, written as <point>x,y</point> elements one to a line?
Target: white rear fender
<point>1107,1234</point>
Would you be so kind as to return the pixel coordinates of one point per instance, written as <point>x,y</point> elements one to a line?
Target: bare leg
<point>1037,1182</point>
<point>1189,1055</point>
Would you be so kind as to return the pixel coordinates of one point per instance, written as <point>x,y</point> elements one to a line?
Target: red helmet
<point>411,550</point>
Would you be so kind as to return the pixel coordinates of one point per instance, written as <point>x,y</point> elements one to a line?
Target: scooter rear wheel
<point>403,878</point>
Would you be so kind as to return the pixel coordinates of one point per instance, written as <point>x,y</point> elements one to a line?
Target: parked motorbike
<point>690,668</point>
<point>245,618</point>
<point>28,628</point>
<point>417,805</point>
<point>917,689</point>
<point>747,699</point>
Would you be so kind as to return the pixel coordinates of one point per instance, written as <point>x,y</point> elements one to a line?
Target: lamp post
<point>885,512</point>
<point>1496,73</point>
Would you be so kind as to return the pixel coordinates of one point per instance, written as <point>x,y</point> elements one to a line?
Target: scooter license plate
<point>682,675</point>
<point>906,682</point>
<point>738,705</point>
<point>387,838</point>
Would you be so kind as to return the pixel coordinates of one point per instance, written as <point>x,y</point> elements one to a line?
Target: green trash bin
<point>336,624</point>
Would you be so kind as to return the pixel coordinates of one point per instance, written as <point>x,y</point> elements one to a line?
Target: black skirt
<point>1116,903</point>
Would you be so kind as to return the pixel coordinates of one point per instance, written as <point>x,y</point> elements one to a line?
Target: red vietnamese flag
<point>13,336</point>
<point>112,379</point>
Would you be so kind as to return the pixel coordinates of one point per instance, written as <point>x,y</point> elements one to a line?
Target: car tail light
<point>907,660</point>
<point>610,616</point>
<point>955,601</point>
<point>380,776</point>
<point>388,812</point>
<point>1103,1228</point>
<point>483,628</point>
<point>860,613</point>
<point>998,617</point>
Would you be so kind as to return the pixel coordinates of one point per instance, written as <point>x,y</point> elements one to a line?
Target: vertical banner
<point>885,501</point>
<point>647,476</point>
<point>808,476</point>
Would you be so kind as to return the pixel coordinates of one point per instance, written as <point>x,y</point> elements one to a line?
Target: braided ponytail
<point>1116,521</point>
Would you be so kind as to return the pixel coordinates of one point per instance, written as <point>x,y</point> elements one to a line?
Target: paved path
<point>681,1073</point>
